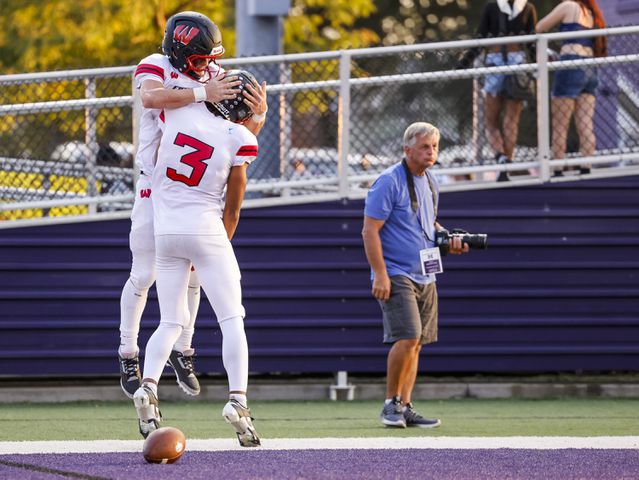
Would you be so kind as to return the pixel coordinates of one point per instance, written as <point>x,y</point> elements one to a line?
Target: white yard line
<point>536,443</point>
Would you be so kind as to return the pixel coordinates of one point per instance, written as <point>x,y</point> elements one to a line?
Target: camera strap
<point>414,204</point>
<point>411,186</point>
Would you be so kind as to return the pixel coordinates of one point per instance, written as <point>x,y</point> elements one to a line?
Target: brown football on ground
<point>164,445</point>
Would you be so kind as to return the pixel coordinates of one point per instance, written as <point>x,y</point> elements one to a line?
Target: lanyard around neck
<point>413,195</point>
<point>411,188</point>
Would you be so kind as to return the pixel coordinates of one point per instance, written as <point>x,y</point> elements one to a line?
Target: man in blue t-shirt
<point>400,221</point>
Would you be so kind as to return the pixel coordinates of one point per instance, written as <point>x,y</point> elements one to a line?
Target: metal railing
<point>335,122</point>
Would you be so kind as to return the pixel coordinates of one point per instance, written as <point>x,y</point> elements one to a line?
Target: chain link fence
<point>335,121</point>
<point>65,144</point>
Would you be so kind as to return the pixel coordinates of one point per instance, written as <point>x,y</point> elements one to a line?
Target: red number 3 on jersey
<point>195,160</point>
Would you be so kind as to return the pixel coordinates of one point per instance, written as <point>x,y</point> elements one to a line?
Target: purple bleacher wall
<point>620,12</point>
<point>617,13</point>
<point>557,289</point>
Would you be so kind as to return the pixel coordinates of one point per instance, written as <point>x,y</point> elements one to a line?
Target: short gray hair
<point>418,129</point>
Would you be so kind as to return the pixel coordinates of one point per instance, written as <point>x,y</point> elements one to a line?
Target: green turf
<point>465,417</point>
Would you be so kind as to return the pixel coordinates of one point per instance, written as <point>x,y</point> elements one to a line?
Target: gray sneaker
<point>240,418</point>
<point>182,364</point>
<point>392,415</point>
<point>148,410</point>
<point>130,376</point>
<point>414,419</point>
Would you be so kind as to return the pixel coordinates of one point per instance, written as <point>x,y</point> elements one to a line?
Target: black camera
<point>476,241</point>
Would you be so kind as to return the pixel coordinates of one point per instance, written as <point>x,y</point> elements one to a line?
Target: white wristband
<point>259,118</point>
<point>200,94</point>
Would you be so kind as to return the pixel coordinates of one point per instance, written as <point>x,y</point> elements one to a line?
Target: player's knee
<point>142,279</point>
<point>171,326</point>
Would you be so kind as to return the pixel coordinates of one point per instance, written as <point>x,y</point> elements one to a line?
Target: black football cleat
<point>130,376</point>
<point>183,365</point>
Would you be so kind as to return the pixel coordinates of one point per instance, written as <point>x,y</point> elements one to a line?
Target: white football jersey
<point>158,67</point>
<point>197,152</point>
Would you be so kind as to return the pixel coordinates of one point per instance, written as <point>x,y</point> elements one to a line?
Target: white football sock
<point>159,348</point>
<point>240,398</point>
<point>132,303</point>
<point>193,301</point>
<point>235,353</point>
<point>152,386</point>
<point>124,354</point>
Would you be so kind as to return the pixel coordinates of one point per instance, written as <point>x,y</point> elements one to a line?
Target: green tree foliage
<point>399,22</point>
<point>49,35</point>
<point>319,25</point>
<point>63,34</point>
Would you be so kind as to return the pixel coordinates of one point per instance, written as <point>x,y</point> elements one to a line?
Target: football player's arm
<point>154,95</point>
<point>255,98</point>
<point>374,253</point>
<point>235,187</point>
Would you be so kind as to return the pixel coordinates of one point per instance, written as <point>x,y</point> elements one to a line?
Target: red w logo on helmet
<point>184,34</point>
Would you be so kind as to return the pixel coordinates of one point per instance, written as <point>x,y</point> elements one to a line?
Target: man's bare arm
<point>374,253</point>
<point>154,95</point>
<point>235,187</point>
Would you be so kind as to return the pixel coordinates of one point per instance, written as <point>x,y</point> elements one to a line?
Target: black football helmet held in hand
<point>234,110</point>
<point>189,37</point>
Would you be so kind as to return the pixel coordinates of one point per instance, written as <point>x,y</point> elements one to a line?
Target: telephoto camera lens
<point>475,241</point>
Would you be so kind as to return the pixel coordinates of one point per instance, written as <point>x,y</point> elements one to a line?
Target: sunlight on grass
<point>199,419</point>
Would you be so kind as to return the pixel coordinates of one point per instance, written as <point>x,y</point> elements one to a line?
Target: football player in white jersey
<point>198,189</point>
<point>186,73</point>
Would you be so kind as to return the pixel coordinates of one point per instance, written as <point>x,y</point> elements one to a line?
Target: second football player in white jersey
<point>186,73</point>
<point>198,186</point>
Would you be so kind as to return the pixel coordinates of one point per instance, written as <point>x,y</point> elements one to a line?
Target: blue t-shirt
<point>405,232</point>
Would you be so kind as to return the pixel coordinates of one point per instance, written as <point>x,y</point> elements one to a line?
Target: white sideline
<point>217,444</point>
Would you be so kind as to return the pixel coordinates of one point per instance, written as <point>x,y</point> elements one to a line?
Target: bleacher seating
<point>557,289</point>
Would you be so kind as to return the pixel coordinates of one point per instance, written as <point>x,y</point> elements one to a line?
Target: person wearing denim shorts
<point>574,89</point>
<point>399,222</point>
<point>494,84</point>
<point>503,18</point>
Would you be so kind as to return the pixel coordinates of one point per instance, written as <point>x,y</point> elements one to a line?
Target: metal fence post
<point>343,122</point>
<point>543,109</point>
<point>91,140</point>
<point>286,119</point>
<point>136,114</point>
<point>478,138</point>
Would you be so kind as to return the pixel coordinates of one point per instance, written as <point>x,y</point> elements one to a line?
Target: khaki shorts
<point>411,311</point>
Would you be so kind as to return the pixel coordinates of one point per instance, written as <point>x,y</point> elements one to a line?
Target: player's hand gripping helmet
<point>191,41</point>
<point>234,110</point>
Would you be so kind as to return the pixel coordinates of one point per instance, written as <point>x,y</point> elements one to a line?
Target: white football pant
<point>219,275</point>
<point>135,291</point>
